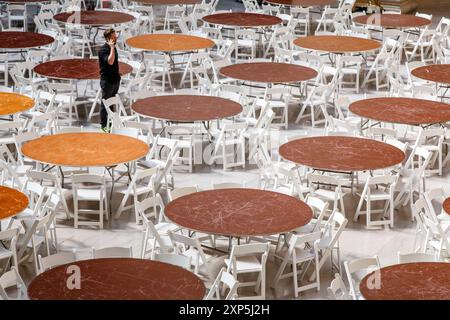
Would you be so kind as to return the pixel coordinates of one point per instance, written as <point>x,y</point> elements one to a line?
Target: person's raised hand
<point>111,43</point>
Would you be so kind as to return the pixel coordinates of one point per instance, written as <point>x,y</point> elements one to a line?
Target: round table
<point>117,279</point>
<point>239,212</point>
<point>27,1</point>
<point>439,73</point>
<point>303,3</point>
<point>12,202</point>
<point>269,72</point>
<point>446,206</point>
<point>242,19</point>
<point>408,281</point>
<point>168,2</point>
<point>78,69</point>
<point>85,149</point>
<point>402,110</point>
<point>12,103</point>
<point>94,17</point>
<point>337,44</point>
<point>393,20</point>
<point>343,154</point>
<point>23,40</point>
<point>169,42</point>
<point>186,108</point>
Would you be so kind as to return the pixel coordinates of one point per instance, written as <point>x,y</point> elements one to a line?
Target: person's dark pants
<point>108,90</point>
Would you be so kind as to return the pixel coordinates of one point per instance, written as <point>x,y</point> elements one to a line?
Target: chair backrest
<point>227,185</point>
<point>260,249</point>
<point>151,207</point>
<point>434,199</point>
<point>319,208</point>
<point>175,259</point>
<point>416,257</point>
<point>54,260</point>
<point>112,252</point>
<point>179,192</point>
<point>337,289</point>
<point>354,266</point>
<point>9,279</point>
<point>223,279</point>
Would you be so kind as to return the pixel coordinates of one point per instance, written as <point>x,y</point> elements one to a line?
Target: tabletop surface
<point>186,108</point>
<point>94,17</point>
<point>337,44</point>
<point>402,110</point>
<point>242,19</point>
<point>118,279</point>
<point>393,20</point>
<point>12,202</point>
<point>169,42</point>
<point>408,281</point>
<point>340,153</point>
<point>268,72</point>
<point>239,212</point>
<point>168,2</point>
<point>304,3</point>
<point>11,103</point>
<point>23,40</point>
<point>446,205</point>
<point>27,1</point>
<point>85,149</point>
<point>79,69</point>
<point>439,73</point>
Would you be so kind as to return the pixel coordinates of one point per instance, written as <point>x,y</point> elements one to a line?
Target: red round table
<point>439,73</point>
<point>337,44</point>
<point>242,19</point>
<point>168,2</point>
<point>169,42</point>
<point>446,206</point>
<point>402,110</point>
<point>23,40</point>
<point>269,72</point>
<point>117,279</point>
<point>393,20</point>
<point>303,3</point>
<point>186,108</point>
<point>77,69</point>
<point>94,17</point>
<point>344,154</point>
<point>239,212</point>
<point>12,202</point>
<point>408,281</point>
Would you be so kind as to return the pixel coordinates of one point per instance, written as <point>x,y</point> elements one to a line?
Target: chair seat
<point>5,253</point>
<point>245,264</point>
<point>327,194</point>
<point>378,195</point>
<point>89,194</point>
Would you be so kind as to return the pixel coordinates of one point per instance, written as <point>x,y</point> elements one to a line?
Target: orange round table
<point>86,149</point>
<point>337,44</point>
<point>242,19</point>
<point>409,111</point>
<point>408,281</point>
<point>12,202</point>
<point>239,212</point>
<point>94,17</point>
<point>12,103</point>
<point>343,154</point>
<point>439,73</point>
<point>75,69</point>
<point>269,72</point>
<point>23,40</point>
<point>399,21</point>
<point>169,42</point>
<point>303,3</point>
<point>117,279</point>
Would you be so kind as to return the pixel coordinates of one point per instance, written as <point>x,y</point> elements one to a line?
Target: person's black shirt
<point>108,73</point>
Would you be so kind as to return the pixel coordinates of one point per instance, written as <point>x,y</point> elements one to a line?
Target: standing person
<point>109,72</point>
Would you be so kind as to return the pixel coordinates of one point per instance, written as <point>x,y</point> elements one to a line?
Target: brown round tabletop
<point>303,3</point>
<point>23,40</point>
<point>268,72</point>
<point>169,42</point>
<point>118,279</point>
<point>94,17</point>
<point>242,19</point>
<point>86,149</point>
<point>402,110</point>
<point>337,44</point>
<point>78,69</point>
<point>186,108</point>
<point>408,281</point>
<point>168,2</point>
<point>339,153</point>
<point>446,206</point>
<point>239,212</point>
<point>393,20</point>
<point>439,73</point>
<point>12,103</point>
<point>12,202</point>
<point>27,1</point>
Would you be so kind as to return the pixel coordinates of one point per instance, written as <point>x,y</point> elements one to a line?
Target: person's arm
<point>112,53</point>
